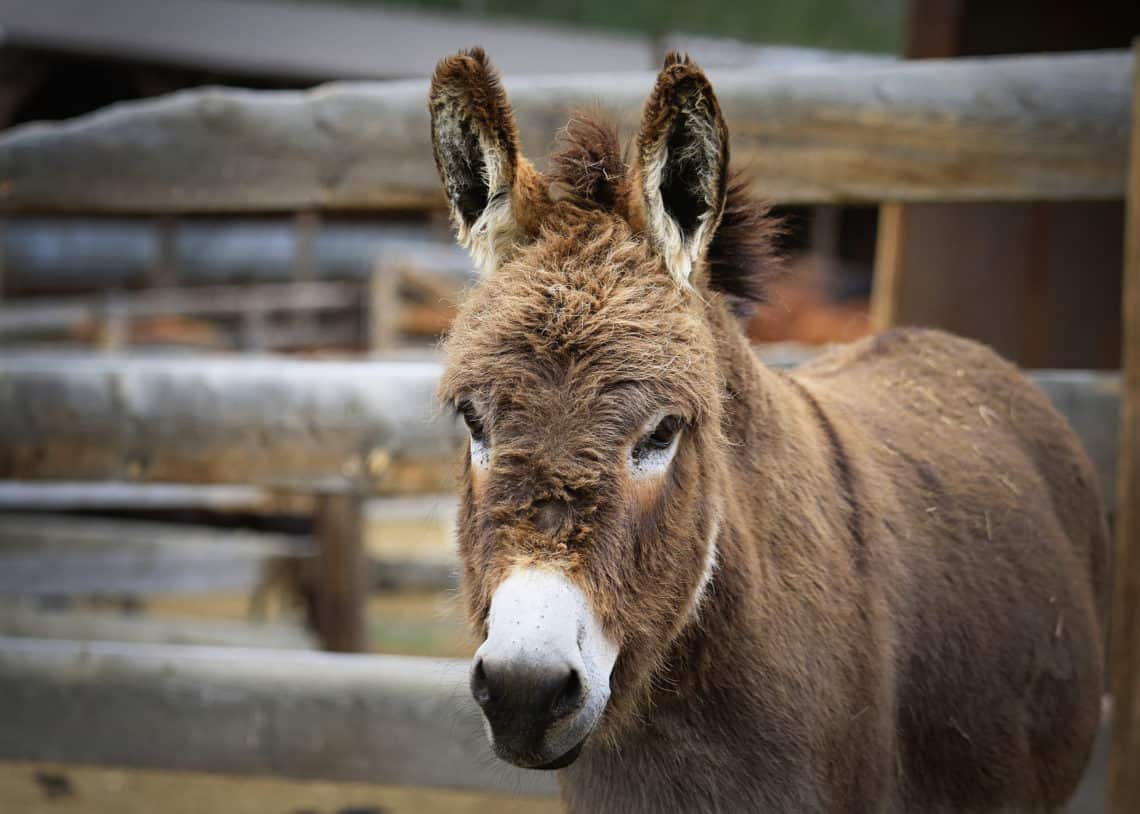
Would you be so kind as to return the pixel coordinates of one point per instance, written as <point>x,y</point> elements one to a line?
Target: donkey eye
<point>662,435</point>
<point>473,422</point>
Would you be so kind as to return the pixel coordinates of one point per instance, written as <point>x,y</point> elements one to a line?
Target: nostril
<point>569,698</point>
<point>480,688</point>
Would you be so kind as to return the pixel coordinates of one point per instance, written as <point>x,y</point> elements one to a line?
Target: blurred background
<point>239,564</point>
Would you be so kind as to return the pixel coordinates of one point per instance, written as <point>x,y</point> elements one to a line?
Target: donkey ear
<point>476,146</point>
<point>682,159</point>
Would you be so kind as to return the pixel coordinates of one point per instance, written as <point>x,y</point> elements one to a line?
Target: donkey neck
<point>742,659</point>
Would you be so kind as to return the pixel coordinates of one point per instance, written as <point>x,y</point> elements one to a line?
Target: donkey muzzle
<point>542,675</point>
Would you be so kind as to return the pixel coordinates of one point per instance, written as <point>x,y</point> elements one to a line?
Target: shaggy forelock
<point>589,169</point>
<point>589,305</point>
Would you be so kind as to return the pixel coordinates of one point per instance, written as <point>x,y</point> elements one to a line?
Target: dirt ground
<point>35,788</point>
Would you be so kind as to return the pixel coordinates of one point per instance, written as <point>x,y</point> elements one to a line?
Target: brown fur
<point>908,605</point>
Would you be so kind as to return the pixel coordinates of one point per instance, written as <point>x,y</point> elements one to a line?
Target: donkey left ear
<point>476,144</point>
<point>682,165</point>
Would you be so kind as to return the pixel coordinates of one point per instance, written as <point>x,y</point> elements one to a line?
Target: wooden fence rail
<point>1009,128</point>
<point>333,426</point>
<point>380,719</point>
<point>323,426</point>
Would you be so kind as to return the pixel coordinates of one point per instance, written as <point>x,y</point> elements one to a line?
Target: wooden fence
<point>1040,128</point>
<point>1020,128</point>
<point>395,720</point>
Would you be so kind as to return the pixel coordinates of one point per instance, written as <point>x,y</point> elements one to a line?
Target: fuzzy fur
<point>907,608</point>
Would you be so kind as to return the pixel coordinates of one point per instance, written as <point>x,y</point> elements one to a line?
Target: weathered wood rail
<point>59,555</point>
<point>1011,128</point>
<point>367,427</point>
<point>46,555</point>
<point>1124,648</point>
<point>381,719</point>
<point>331,426</point>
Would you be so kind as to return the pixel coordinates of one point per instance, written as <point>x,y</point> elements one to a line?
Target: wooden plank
<point>213,301</point>
<point>67,555</point>
<point>59,496</point>
<point>51,788</point>
<point>334,425</point>
<point>60,555</point>
<point>378,719</point>
<point>94,626</point>
<point>54,254</point>
<point>1052,127</point>
<point>283,423</point>
<point>342,573</point>
<point>1124,650</point>
<point>3,256</point>
<point>1000,272</point>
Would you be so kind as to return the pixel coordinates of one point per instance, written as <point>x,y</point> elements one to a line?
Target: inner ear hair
<point>682,153</point>
<point>476,145</point>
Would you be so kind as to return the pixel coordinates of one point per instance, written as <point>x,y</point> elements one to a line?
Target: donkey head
<point>585,365</point>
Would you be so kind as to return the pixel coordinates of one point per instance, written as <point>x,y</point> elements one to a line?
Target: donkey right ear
<point>682,165</point>
<point>476,145</point>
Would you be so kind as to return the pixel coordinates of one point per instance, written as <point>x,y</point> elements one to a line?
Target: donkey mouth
<point>565,760</point>
<point>535,760</point>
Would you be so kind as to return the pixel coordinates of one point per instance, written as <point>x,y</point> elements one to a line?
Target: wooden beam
<point>373,427</point>
<point>379,719</point>
<point>65,496</point>
<point>72,255</point>
<point>1124,649</point>
<point>319,716</point>
<point>60,555</point>
<point>85,624</point>
<point>53,555</point>
<point>335,426</point>
<point>205,301</point>
<point>1039,127</point>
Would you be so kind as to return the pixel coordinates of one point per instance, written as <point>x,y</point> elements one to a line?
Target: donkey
<point>874,584</point>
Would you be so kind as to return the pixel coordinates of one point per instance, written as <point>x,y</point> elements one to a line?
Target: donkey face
<point>585,368</point>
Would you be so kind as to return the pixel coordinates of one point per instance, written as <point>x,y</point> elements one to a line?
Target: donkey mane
<point>589,168</point>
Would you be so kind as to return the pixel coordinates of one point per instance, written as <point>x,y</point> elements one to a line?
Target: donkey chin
<point>542,676</point>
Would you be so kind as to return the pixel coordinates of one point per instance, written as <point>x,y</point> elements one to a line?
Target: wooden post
<point>1124,649</point>
<point>383,316</point>
<point>887,283</point>
<point>114,327</point>
<point>3,254</point>
<point>341,573</point>
<point>306,227</point>
<point>824,238</point>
